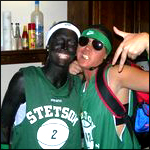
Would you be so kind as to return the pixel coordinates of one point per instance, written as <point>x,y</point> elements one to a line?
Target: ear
<point>105,57</point>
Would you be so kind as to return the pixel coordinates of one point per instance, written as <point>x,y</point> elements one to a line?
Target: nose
<point>88,46</point>
<point>65,45</point>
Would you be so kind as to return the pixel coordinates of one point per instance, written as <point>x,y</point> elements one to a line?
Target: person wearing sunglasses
<point>133,45</point>
<point>41,108</point>
<point>101,129</point>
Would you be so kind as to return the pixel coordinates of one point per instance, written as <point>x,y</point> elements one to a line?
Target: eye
<point>98,45</point>
<point>59,41</point>
<point>58,46</point>
<point>72,43</point>
<point>83,41</point>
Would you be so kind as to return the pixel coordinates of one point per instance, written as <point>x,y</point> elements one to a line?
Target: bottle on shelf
<point>18,37</point>
<point>38,19</point>
<point>7,30</point>
<point>25,42</point>
<point>13,40</point>
<point>31,33</point>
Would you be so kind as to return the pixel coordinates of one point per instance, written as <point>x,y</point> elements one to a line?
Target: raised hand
<point>132,46</point>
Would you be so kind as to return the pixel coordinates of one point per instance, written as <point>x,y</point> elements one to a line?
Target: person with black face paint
<point>41,108</point>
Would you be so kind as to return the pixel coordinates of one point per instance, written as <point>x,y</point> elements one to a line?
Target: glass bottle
<point>13,38</point>
<point>18,37</point>
<point>38,19</point>
<point>25,44</point>
<point>7,30</point>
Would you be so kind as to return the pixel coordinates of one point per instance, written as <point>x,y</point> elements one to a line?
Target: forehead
<point>64,32</point>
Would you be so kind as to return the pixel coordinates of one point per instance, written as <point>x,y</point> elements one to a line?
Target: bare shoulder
<point>128,74</point>
<point>130,77</point>
<point>17,78</point>
<point>127,70</point>
<point>16,85</point>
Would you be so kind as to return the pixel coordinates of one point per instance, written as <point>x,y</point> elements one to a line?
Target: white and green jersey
<point>50,119</point>
<point>99,124</point>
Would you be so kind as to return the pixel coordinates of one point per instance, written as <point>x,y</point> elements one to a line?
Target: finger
<point>75,62</point>
<point>78,69</point>
<point>122,60</point>
<point>132,56</point>
<point>117,53</point>
<point>74,71</point>
<point>119,32</point>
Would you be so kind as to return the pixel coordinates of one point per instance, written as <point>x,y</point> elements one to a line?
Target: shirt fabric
<point>50,118</point>
<point>99,125</point>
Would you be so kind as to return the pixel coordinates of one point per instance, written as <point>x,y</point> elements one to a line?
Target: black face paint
<point>62,46</point>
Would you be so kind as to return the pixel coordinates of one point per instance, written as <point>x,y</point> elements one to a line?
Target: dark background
<point>129,16</point>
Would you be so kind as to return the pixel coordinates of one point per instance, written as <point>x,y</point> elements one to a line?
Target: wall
<point>53,11</point>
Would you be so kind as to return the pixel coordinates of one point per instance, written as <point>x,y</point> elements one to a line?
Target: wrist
<point>4,146</point>
<point>147,41</point>
<point>147,52</point>
<point>147,49</point>
<point>147,46</point>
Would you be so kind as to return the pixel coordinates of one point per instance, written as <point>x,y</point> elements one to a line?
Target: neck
<point>36,7</point>
<point>56,74</point>
<point>89,73</point>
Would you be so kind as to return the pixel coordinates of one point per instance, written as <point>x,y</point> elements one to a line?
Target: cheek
<point>72,49</point>
<point>79,50</point>
<point>97,58</point>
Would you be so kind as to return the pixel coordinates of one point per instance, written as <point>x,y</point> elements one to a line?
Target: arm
<point>132,46</point>
<point>130,78</point>
<point>15,95</point>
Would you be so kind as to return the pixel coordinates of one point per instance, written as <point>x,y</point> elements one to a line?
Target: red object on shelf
<point>25,42</point>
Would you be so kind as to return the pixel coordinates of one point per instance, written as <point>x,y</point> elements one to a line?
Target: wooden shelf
<point>23,56</point>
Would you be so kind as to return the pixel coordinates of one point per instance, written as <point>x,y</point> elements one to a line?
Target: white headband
<point>59,26</point>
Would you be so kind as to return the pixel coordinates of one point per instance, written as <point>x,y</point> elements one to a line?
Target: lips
<point>63,55</point>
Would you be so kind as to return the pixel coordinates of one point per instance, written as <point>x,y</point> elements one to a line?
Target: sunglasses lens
<point>98,45</point>
<point>83,41</point>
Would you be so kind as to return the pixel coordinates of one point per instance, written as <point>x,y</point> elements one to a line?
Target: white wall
<point>53,11</point>
<point>7,71</point>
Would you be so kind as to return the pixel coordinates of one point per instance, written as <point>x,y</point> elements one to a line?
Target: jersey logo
<point>90,32</point>
<point>53,134</point>
<point>88,126</point>
<point>50,111</point>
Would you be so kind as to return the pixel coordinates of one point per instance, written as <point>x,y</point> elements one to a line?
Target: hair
<point>104,30</point>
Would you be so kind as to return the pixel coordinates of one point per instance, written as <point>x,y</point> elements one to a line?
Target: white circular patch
<point>53,134</point>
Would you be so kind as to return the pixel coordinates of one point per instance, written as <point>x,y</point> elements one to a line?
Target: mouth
<point>85,56</point>
<point>63,55</point>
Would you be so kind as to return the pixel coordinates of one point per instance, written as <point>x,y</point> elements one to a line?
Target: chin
<point>63,63</point>
<point>83,63</point>
<point>84,66</point>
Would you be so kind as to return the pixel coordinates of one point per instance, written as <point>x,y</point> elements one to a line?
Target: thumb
<point>119,32</point>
